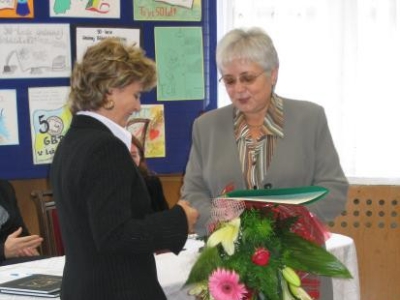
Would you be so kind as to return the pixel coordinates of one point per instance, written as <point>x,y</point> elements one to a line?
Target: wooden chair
<point>48,222</point>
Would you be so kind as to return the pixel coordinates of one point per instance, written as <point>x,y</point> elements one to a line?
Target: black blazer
<point>108,227</point>
<point>154,186</point>
<point>9,202</point>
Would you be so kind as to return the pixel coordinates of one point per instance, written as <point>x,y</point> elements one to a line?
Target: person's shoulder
<point>87,130</point>
<point>302,109</point>
<point>216,115</point>
<point>300,104</point>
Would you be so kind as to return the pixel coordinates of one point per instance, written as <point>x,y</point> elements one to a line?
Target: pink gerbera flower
<point>224,285</point>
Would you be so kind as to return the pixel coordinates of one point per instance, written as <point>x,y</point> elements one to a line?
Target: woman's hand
<point>16,246</point>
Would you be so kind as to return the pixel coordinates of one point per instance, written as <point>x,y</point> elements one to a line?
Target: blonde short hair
<point>108,64</point>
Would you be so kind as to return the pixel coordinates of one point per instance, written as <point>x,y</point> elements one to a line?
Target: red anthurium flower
<point>260,257</point>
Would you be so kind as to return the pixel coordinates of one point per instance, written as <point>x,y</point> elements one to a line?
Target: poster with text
<point>16,9</point>
<point>34,51</point>
<point>87,36</point>
<point>179,58</point>
<point>8,118</point>
<point>85,8</point>
<point>167,10</point>
<point>148,126</point>
<point>50,120</point>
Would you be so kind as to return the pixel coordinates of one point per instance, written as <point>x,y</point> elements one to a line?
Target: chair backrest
<point>48,222</point>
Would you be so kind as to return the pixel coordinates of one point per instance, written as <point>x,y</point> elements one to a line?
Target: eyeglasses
<point>244,78</point>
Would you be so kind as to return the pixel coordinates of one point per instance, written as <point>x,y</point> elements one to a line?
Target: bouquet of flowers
<point>257,251</point>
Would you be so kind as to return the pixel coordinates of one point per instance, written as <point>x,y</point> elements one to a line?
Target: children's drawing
<point>169,10</point>
<point>85,8</point>
<point>139,128</point>
<point>8,118</point>
<point>184,3</point>
<point>50,119</point>
<point>179,58</point>
<point>16,8</point>
<point>35,50</point>
<point>34,61</point>
<point>4,134</point>
<point>49,128</point>
<point>22,7</point>
<point>148,125</point>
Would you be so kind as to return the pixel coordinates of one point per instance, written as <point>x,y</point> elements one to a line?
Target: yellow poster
<point>50,120</point>
<point>148,126</point>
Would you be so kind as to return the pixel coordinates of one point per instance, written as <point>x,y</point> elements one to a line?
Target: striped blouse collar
<point>273,121</point>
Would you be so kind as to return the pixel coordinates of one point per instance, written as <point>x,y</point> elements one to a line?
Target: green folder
<point>297,195</point>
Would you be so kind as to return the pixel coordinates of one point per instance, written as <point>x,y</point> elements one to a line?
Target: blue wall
<point>16,161</point>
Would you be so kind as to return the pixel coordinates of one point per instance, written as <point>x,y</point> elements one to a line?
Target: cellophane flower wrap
<point>259,251</point>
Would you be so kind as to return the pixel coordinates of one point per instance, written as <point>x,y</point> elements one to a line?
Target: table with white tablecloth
<point>173,270</point>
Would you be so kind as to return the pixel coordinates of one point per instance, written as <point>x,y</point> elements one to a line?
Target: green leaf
<point>270,286</point>
<point>208,261</point>
<point>306,256</point>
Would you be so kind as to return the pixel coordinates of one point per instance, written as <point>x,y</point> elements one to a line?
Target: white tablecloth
<point>344,249</point>
<point>173,270</point>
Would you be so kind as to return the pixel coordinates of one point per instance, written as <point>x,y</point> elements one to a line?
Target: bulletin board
<point>16,159</point>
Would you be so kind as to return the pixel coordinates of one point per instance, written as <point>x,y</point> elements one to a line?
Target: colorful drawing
<point>61,6</point>
<point>139,127</point>
<point>49,128</point>
<point>16,9</point>
<point>23,7</point>
<point>98,6</point>
<point>85,8</point>
<point>169,10</point>
<point>50,119</point>
<point>148,125</point>
<point>8,118</point>
<point>4,135</point>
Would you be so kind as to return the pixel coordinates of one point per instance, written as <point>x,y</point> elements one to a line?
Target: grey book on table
<point>42,285</point>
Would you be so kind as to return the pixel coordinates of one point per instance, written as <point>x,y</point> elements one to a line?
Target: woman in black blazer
<point>109,230</point>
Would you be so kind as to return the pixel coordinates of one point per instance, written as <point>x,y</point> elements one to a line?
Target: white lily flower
<point>286,294</point>
<point>299,292</point>
<point>226,235</point>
